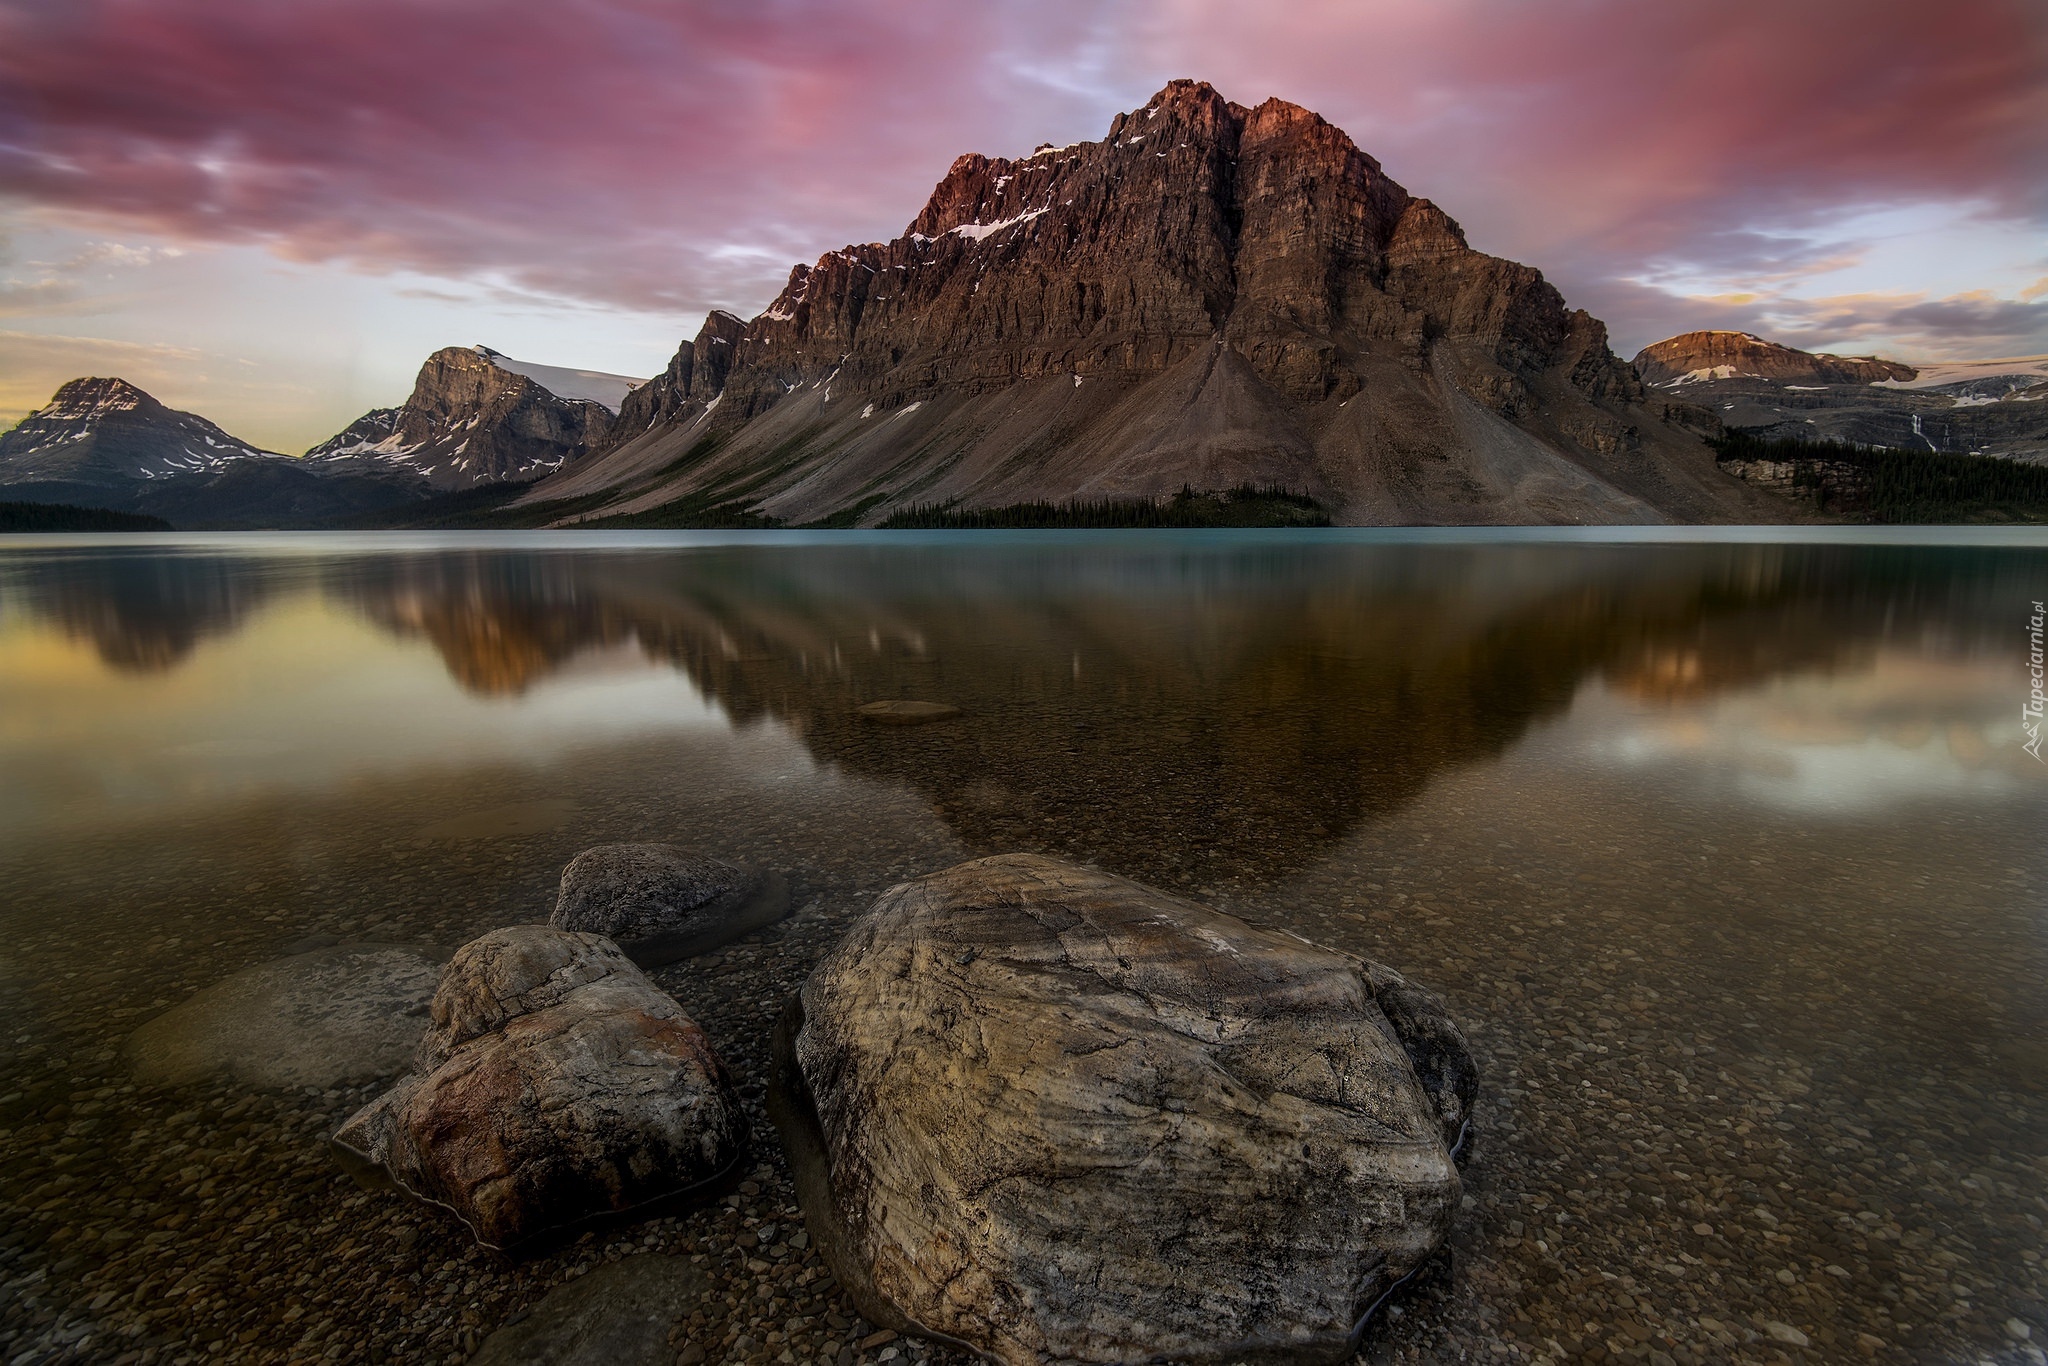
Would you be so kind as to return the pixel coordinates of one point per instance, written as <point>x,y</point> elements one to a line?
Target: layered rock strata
<point>1700,357</point>
<point>1047,1114</point>
<point>471,421</point>
<point>1211,296</point>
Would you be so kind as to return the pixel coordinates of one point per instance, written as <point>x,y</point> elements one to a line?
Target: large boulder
<point>342,1014</point>
<point>660,903</point>
<point>1050,1115</point>
<point>556,1085</point>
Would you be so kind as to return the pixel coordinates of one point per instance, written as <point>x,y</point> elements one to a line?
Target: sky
<point>270,211</point>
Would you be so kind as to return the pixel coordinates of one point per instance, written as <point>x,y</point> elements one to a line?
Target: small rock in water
<point>557,1085</point>
<point>621,1314</point>
<point>351,1013</point>
<point>1256,1133</point>
<point>903,712</point>
<point>660,903</point>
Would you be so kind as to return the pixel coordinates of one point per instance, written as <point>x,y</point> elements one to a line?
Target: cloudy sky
<point>269,211</point>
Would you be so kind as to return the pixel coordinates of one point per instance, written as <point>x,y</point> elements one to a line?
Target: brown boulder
<point>1051,1115</point>
<point>556,1085</point>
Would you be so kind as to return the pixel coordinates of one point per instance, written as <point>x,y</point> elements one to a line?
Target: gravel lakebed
<point>1747,1094</point>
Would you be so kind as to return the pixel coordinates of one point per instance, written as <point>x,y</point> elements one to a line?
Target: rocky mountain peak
<point>104,432</point>
<point>1711,355</point>
<point>477,417</point>
<point>95,393</point>
<point>1209,295</point>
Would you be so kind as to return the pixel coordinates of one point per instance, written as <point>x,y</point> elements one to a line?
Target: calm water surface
<point>1727,854</point>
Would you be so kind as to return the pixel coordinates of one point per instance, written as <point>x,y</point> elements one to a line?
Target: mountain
<point>105,436</point>
<point>1210,296</point>
<point>1982,381</point>
<point>477,417</point>
<point>105,443</point>
<point>365,432</point>
<point>1988,407</point>
<point>1697,357</point>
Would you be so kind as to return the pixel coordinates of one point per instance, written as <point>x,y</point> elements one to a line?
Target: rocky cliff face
<point>1209,296</point>
<point>108,435</point>
<point>1701,357</point>
<point>471,420</point>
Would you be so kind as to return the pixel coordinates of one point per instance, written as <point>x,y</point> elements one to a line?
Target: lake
<point>1724,848</point>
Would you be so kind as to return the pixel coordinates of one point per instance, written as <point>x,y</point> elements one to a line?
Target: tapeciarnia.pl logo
<point>2030,715</point>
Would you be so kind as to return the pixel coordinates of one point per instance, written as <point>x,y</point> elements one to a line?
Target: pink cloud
<point>680,154</point>
<point>1628,120</point>
<point>607,149</point>
<point>1602,139</point>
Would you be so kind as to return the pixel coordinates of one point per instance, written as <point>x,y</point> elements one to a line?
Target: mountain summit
<point>98,435</point>
<point>476,417</point>
<point>105,443</point>
<point>1208,297</point>
<point>1701,357</point>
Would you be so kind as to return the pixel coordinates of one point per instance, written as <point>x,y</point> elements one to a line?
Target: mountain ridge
<point>1773,392</point>
<point>1697,357</point>
<point>1210,296</point>
<point>98,430</point>
<point>474,419</point>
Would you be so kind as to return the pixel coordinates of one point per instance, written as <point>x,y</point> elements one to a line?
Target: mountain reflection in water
<point>1169,710</point>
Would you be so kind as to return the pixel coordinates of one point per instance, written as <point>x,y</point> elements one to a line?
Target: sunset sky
<point>269,211</point>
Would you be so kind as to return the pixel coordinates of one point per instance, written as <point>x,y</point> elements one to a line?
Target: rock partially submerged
<point>556,1085</point>
<point>660,903</point>
<point>619,1314</point>
<point>1046,1114</point>
<point>348,1013</point>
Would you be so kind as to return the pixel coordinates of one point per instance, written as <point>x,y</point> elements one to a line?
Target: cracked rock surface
<point>1055,1115</point>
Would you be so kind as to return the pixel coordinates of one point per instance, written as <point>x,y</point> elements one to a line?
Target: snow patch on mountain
<point>1936,374</point>
<point>591,386</point>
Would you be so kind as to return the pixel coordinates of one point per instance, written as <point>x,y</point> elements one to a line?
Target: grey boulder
<point>344,1014</point>
<point>1049,1115</point>
<point>556,1086</point>
<point>660,903</point>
